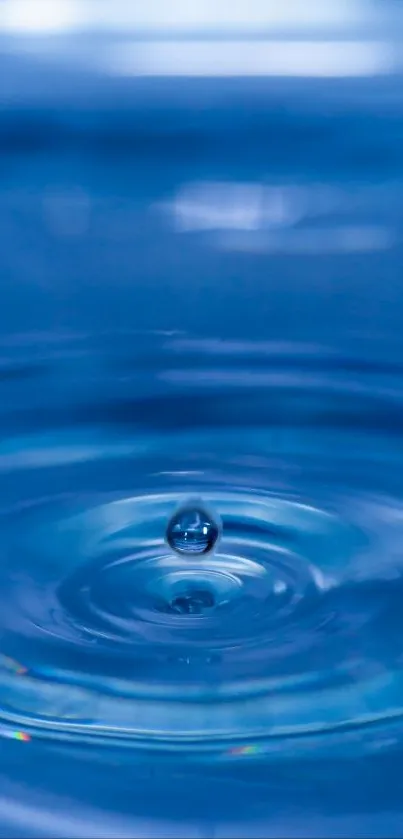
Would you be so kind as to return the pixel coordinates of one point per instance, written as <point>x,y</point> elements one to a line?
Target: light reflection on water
<point>200,298</point>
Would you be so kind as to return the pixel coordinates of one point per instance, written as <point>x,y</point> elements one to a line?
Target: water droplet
<point>192,530</point>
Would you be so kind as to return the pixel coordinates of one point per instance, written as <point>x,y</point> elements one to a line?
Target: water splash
<point>194,601</point>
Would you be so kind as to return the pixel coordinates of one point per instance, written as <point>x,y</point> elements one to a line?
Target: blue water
<point>201,309</point>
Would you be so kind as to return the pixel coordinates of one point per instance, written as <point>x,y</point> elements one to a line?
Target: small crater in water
<point>193,602</point>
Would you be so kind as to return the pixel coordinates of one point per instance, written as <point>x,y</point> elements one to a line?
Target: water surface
<point>182,318</point>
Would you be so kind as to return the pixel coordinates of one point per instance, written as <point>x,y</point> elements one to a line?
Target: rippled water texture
<point>201,458</point>
<point>294,643</point>
<point>292,652</point>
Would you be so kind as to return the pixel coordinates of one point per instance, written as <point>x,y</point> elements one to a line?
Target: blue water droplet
<point>192,530</point>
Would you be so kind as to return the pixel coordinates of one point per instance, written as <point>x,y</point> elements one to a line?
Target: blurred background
<point>199,150</point>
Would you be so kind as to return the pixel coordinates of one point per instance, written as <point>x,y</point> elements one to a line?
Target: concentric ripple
<point>287,633</point>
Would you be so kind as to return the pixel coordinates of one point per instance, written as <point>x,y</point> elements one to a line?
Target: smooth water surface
<point>201,460</point>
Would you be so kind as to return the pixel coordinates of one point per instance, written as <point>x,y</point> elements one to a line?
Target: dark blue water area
<point>201,304</point>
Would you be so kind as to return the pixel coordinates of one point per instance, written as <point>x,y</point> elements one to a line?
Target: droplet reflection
<point>192,602</point>
<point>192,530</point>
